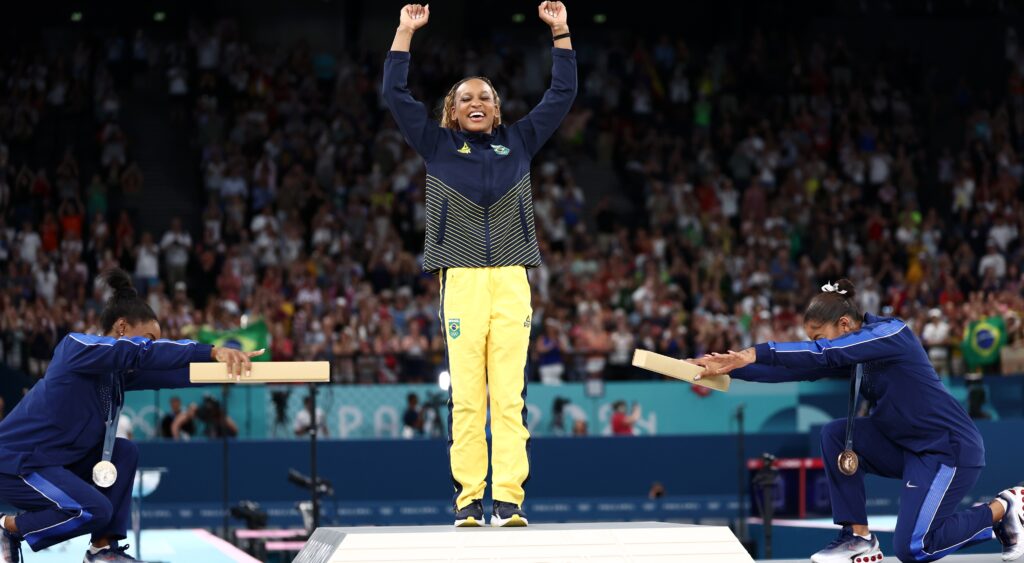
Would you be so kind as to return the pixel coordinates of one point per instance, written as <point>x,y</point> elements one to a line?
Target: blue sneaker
<point>508,515</point>
<point>110,554</point>
<point>471,516</point>
<point>10,548</point>
<point>849,548</point>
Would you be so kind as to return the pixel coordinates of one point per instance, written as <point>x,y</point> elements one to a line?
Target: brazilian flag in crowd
<point>252,337</point>
<point>982,341</point>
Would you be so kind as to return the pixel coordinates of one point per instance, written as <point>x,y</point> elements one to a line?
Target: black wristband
<point>562,36</point>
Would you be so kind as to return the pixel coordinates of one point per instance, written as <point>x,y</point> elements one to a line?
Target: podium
<point>637,542</point>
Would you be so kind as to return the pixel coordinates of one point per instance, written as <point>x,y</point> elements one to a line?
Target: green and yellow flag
<point>252,337</point>
<point>982,341</point>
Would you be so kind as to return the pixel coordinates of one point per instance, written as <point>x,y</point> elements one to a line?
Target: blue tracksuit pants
<point>61,503</point>
<point>929,526</point>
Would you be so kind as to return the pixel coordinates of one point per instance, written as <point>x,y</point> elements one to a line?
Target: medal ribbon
<point>113,415</point>
<point>854,392</point>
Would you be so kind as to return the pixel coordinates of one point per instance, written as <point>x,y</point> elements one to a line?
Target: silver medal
<point>104,474</point>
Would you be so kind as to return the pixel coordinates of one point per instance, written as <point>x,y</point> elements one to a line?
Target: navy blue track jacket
<point>912,407</point>
<point>479,198</point>
<point>62,418</point>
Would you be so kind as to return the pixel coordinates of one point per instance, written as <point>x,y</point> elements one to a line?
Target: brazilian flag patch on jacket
<point>454,328</point>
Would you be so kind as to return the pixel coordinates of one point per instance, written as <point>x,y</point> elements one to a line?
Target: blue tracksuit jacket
<point>912,408</point>
<point>62,417</point>
<point>479,198</point>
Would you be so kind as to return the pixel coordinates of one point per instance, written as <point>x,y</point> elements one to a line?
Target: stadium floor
<point>197,545</point>
<point>166,546</point>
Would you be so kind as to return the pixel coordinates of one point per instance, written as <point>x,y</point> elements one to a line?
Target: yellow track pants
<point>486,316</point>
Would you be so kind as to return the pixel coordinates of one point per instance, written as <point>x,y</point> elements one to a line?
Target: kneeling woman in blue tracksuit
<point>917,432</point>
<point>54,444</point>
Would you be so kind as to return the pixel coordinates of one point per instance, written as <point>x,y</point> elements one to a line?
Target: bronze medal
<point>848,462</point>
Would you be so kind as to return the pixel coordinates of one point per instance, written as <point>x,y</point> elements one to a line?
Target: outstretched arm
<point>538,125</point>
<point>86,353</point>
<point>879,342</point>
<point>741,365</point>
<point>775,374</point>
<point>410,114</point>
<point>239,364</point>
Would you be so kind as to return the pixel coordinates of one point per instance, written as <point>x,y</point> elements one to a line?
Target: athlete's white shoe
<point>1010,530</point>
<point>849,548</point>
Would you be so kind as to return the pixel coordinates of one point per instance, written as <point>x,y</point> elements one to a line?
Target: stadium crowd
<point>742,183</point>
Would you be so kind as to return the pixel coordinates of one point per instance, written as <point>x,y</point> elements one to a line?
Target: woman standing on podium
<point>916,432</point>
<point>59,460</point>
<point>480,241</point>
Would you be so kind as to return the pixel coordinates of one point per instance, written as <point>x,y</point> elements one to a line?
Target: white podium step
<point>628,542</point>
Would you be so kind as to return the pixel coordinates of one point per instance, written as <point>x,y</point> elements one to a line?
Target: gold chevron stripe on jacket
<point>463,234</point>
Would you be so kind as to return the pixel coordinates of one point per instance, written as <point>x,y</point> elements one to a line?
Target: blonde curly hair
<point>448,118</point>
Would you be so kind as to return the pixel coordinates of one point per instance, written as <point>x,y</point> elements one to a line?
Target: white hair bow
<point>829,288</point>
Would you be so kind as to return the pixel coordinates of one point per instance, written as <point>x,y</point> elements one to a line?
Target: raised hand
<point>414,16</point>
<point>553,14</point>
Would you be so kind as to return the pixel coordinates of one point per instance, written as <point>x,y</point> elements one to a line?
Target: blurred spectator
<point>167,428</point>
<point>993,263</point>
<point>936,338</point>
<point>185,420</point>
<point>622,422</point>
<point>549,348</point>
<point>976,399</point>
<point>558,416</point>
<point>303,422</point>
<point>176,245</point>
<point>216,422</point>
<point>412,418</point>
<point>414,349</point>
<point>622,345</point>
<point>147,263</point>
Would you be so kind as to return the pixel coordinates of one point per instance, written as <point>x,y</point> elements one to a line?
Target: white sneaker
<point>1010,530</point>
<point>849,548</point>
